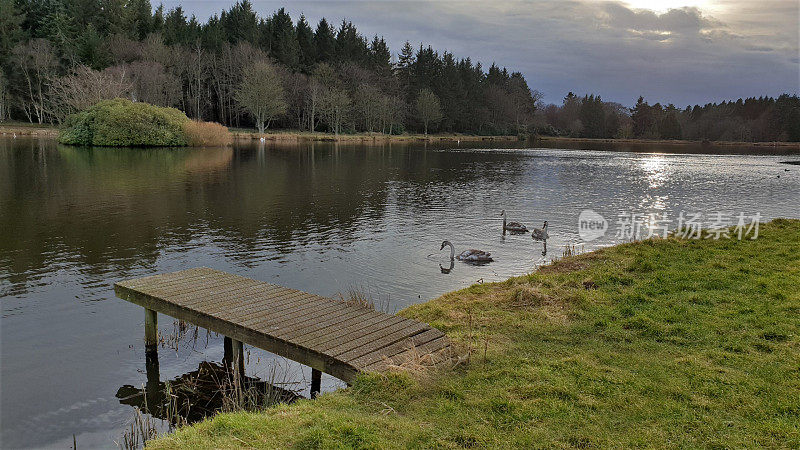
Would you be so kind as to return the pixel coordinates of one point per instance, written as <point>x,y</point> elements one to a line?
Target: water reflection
<point>198,394</point>
<point>318,217</point>
<point>448,269</point>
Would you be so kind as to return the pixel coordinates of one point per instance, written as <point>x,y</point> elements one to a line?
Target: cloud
<point>732,49</point>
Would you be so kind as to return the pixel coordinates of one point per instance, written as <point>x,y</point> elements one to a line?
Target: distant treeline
<point>61,56</point>
<point>753,119</point>
<point>239,69</point>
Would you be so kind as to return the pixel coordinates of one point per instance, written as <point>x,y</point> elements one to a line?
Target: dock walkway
<point>328,335</point>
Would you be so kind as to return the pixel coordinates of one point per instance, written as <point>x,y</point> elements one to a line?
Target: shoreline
<point>584,350</point>
<point>37,130</point>
<point>367,137</point>
<point>676,142</point>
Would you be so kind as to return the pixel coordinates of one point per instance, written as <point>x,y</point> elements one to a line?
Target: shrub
<point>206,134</point>
<point>123,123</point>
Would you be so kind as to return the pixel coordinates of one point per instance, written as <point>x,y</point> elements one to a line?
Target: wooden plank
<point>397,347</point>
<point>299,305</point>
<point>324,326</point>
<point>324,363</point>
<point>264,317</point>
<point>233,299</point>
<point>370,342</point>
<point>320,332</point>
<point>434,346</point>
<point>337,337</point>
<point>253,303</point>
<point>192,291</point>
<point>176,281</point>
<point>322,310</point>
<point>312,322</point>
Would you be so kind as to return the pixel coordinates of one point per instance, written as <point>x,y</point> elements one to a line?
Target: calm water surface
<point>317,217</point>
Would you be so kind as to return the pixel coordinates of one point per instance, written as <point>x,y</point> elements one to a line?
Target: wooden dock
<point>328,335</point>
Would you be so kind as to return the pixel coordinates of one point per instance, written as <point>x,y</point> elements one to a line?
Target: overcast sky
<point>672,51</point>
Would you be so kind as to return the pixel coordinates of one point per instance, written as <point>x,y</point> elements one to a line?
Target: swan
<point>262,139</point>
<point>514,227</point>
<point>540,234</point>
<point>470,255</point>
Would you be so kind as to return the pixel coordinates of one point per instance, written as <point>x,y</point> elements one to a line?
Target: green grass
<point>673,344</point>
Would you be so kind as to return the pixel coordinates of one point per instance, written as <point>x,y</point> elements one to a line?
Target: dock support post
<point>316,382</point>
<point>238,358</point>
<point>150,330</point>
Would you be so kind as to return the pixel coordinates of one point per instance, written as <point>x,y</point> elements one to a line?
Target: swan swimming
<point>514,227</point>
<point>540,234</point>
<point>470,255</point>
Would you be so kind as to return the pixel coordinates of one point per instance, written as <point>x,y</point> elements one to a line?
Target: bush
<point>123,123</point>
<point>206,134</point>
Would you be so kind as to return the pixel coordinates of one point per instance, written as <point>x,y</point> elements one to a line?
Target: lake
<point>320,217</point>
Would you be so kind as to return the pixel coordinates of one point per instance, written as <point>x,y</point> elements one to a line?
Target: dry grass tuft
<point>207,134</point>
<point>357,296</point>
<point>140,430</point>
<point>420,363</point>
<point>528,296</point>
<point>365,298</point>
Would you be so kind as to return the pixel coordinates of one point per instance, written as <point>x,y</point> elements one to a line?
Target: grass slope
<point>658,343</point>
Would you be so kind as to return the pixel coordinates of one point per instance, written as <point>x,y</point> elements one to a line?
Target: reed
<point>206,134</point>
<point>365,298</point>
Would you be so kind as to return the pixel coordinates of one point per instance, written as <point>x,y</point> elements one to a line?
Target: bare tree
<point>195,73</point>
<point>296,89</point>
<point>392,112</point>
<point>334,107</point>
<point>150,82</point>
<point>3,97</point>
<point>313,99</point>
<point>367,104</point>
<point>37,62</point>
<point>83,88</point>
<point>429,110</point>
<point>261,94</point>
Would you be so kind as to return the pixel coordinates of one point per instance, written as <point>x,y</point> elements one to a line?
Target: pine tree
<point>324,42</point>
<point>140,18</point>
<point>305,43</point>
<point>285,48</point>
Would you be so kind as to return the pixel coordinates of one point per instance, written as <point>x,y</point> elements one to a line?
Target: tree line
<point>762,119</point>
<point>239,69</point>
<point>243,70</point>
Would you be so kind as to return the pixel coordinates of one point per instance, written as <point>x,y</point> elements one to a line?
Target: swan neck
<point>452,251</point>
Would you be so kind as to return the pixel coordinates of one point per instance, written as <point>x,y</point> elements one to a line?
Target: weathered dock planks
<point>325,334</point>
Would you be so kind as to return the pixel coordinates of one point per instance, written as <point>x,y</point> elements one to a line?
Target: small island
<point>123,123</point>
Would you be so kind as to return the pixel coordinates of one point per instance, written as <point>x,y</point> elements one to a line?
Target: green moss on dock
<point>659,343</point>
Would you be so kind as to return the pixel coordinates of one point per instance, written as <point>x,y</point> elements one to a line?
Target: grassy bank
<point>28,129</point>
<point>659,343</point>
<point>295,135</point>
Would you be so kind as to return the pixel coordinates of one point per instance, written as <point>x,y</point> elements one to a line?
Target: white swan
<point>514,227</point>
<point>540,234</point>
<point>470,255</point>
<point>262,139</point>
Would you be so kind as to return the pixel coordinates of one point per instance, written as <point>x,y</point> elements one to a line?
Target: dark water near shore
<point>317,217</point>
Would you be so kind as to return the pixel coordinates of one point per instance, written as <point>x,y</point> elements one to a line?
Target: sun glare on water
<point>665,5</point>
